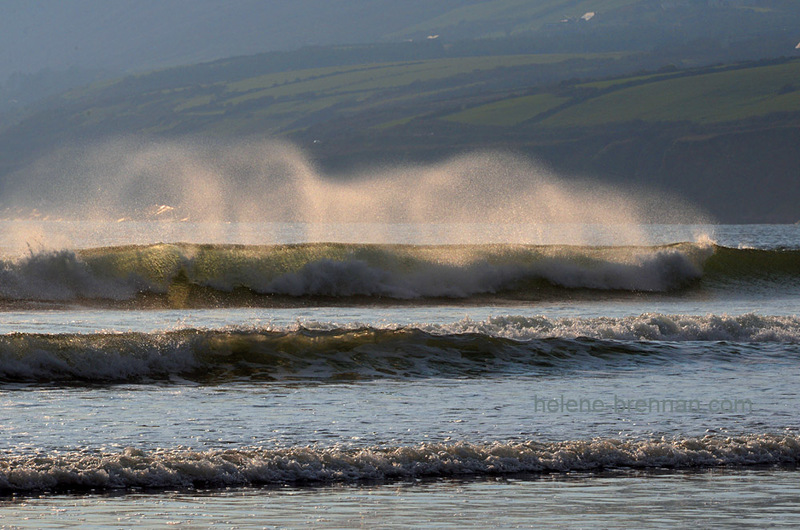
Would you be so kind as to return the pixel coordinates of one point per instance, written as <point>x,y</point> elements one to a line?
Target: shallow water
<point>708,499</point>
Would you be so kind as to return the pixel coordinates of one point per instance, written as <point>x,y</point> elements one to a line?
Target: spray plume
<point>266,181</point>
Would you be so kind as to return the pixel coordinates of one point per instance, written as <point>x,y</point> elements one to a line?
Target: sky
<point>127,35</point>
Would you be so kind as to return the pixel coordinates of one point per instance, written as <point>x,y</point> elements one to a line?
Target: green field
<point>707,96</point>
<point>512,111</point>
<point>386,94</point>
<point>491,91</point>
<point>366,80</point>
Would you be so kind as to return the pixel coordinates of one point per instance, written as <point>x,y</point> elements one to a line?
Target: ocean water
<point>361,375</point>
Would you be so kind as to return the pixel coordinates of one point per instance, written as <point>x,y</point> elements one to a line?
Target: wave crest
<point>327,351</point>
<point>161,468</point>
<point>346,270</point>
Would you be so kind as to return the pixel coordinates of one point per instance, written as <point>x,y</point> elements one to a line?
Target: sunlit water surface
<point>503,407</point>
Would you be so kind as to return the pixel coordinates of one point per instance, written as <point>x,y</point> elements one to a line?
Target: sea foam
<point>175,468</point>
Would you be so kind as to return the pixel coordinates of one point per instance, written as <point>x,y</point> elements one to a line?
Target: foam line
<point>174,468</point>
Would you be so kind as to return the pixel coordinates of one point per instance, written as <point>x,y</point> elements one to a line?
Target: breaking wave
<point>326,351</point>
<point>194,274</point>
<point>164,468</point>
<point>182,275</point>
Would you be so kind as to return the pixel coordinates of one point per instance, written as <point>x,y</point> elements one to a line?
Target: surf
<point>308,466</point>
<point>214,275</point>
<point>320,351</point>
<point>183,274</point>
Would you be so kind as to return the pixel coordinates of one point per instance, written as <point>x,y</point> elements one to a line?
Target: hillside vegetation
<point>292,100</point>
<point>47,51</point>
<point>137,36</point>
<point>701,96</point>
<point>615,96</point>
<point>522,90</point>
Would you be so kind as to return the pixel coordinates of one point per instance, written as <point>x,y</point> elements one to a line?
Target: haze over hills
<point>132,35</point>
<point>657,94</point>
<point>122,36</point>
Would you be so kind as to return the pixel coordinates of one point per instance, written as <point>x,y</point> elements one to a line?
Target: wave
<point>326,351</point>
<point>181,275</point>
<point>163,468</point>
<point>342,270</point>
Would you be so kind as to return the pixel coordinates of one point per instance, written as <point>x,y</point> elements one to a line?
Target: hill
<point>47,47</point>
<point>722,135</point>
